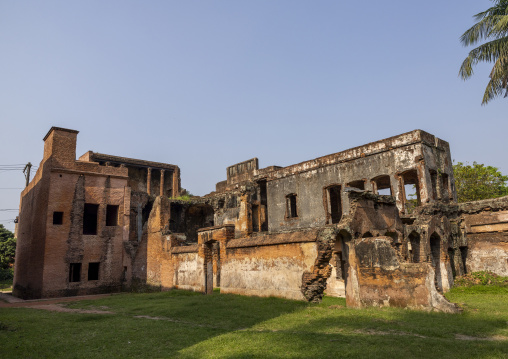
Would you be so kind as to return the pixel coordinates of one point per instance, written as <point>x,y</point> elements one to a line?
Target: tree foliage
<point>478,182</point>
<point>7,252</point>
<point>491,25</point>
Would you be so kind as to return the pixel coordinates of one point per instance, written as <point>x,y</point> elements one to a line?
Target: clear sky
<point>206,84</point>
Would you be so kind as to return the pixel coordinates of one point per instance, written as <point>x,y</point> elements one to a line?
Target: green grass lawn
<point>192,325</point>
<point>5,285</point>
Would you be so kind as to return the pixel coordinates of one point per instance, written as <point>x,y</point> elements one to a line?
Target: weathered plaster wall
<point>377,278</point>
<point>267,269</point>
<point>309,186</point>
<point>487,241</point>
<point>188,271</point>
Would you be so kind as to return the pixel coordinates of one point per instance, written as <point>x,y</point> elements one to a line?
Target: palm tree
<point>492,25</point>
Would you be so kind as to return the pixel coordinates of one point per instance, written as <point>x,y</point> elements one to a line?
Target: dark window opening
<point>255,218</point>
<point>93,271</point>
<point>263,194</point>
<point>339,266</point>
<point>451,256</point>
<point>58,218</point>
<point>341,255</point>
<point>75,272</point>
<point>411,190</point>
<point>445,186</point>
<point>435,251</point>
<point>382,186</point>
<point>90,218</point>
<point>291,210</point>
<point>221,203</point>
<point>414,241</point>
<point>111,215</point>
<point>463,256</point>
<point>334,204</point>
<point>360,184</point>
<point>124,274</point>
<point>433,180</point>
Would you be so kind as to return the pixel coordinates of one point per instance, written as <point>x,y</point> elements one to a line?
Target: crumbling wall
<point>369,214</point>
<point>484,228</point>
<point>268,264</point>
<point>389,164</point>
<point>377,278</point>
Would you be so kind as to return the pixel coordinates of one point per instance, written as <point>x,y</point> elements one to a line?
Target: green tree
<point>491,25</point>
<point>478,182</point>
<point>7,252</point>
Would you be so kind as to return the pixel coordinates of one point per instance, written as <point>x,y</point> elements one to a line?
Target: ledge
<point>274,239</point>
<point>193,248</point>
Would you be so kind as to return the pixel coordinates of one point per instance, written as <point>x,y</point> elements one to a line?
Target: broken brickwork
<point>377,224</point>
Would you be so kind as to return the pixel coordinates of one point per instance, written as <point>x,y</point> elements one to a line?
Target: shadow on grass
<point>179,320</point>
<point>328,330</point>
<point>187,324</point>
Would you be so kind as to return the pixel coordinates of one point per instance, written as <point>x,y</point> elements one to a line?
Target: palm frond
<point>488,52</point>
<point>498,81</point>
<point>492,24</point>
<point>481,30</point>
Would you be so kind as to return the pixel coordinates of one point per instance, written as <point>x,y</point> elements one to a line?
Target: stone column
<point>401,195</point>
<point>148,180</point>
<point>176,184</point>
<point>162,183</point>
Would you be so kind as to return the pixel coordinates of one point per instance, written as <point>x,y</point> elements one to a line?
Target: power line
<point>11,187</point>
<point>4,210</point>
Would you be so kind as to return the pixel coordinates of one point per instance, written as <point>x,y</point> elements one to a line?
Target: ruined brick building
<point>345,224</point>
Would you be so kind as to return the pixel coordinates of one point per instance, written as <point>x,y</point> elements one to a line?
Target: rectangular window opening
<point>93,271</point>
<point>57,218</point>
<point>433,180</point>
<point>360,184</point>
<point>445,186</point>
<point>291,209</point>
<point>411,190</point>
<point>382,186</point>
<point>335,204</point>
<point>75,272</point>
<point>111,215</point>
<point>90,218</point>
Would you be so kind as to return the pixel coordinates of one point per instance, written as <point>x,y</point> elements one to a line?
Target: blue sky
<point>206,84</point>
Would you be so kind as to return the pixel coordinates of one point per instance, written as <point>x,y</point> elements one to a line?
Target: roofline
<point>54,128</point>
<point>95,156</point>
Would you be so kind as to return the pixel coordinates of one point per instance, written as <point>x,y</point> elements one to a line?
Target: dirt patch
<point>493,338</point>
<point>13,302</point>
<point>390,332</point>
<point>61,308</point>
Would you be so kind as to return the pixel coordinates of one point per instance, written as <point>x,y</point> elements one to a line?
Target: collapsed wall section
<point>377,278</point>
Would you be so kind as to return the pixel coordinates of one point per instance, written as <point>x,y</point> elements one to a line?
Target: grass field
<point>190,325</point>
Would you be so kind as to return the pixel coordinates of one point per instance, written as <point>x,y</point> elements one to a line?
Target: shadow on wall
<point>188,218</point>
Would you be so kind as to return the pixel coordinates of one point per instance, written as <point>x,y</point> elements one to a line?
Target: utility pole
<point>26,171</point>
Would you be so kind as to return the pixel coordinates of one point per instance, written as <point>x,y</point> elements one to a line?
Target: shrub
<point>480,278</point>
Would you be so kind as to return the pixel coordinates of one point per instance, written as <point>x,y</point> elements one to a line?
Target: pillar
<point>176,182</point>
<point>162,183</point>
<point>148,180</point>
